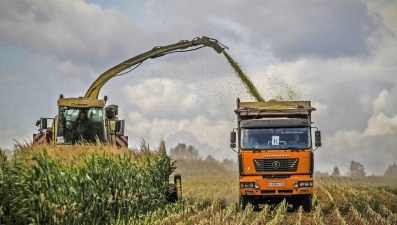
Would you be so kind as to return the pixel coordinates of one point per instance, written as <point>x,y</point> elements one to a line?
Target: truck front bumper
<point>276,187</point>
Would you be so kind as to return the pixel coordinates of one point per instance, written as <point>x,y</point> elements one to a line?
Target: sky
<point>340,55</point>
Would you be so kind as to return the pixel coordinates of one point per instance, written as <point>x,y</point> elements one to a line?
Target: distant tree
<point>391,171</point>
<point>356,169</point>
<point>183,152</point>
<point>336,172</point>
<point>209,158</point>
<point>230,164</point>
<point>320,174</point>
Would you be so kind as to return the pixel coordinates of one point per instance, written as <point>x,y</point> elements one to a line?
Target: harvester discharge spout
<point>155,52</point>
<point>213,43</point>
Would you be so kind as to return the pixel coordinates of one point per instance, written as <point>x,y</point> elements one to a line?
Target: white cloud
<point>381,125</point>
<point>376,153</point>
<point>386,102</point>
<point>69,30</point>
<point>137,124</point>
<point>190,100</point>
<point>213,133</point>
<point>162,94</point>
<point>374,146</point>
<point>321,109</point>
<point>380,102</point>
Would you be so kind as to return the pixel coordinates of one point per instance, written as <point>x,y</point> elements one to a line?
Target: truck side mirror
<point>233,139</point>
<point>317,136</point>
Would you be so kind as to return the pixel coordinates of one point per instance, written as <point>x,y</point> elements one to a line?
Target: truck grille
<point>276,176</point>
<point>276,165</point>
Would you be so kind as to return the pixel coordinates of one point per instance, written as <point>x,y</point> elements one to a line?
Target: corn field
<point>102,185</point>
<point>44,184</point>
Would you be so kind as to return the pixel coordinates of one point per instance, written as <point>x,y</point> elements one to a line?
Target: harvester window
<point>80,125</point>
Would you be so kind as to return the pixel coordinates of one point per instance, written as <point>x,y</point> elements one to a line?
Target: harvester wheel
<point>178,184</point>
<point>172,193</point>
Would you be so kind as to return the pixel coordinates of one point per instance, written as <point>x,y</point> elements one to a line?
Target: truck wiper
<point>295,148</point>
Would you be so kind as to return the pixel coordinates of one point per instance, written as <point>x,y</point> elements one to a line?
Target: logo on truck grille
<point>276,164</point>
<point>276,156</point>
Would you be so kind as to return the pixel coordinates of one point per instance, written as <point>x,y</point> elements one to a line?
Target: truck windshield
<point>275,138</point>
<point>80,125</point>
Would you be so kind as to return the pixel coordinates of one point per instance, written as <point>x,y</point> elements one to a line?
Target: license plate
<point>276,184</point>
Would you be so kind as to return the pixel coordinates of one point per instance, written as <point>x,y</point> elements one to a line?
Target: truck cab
<point>275,152</point>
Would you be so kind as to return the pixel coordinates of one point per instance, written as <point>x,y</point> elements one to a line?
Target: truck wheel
<point>172,193</point>
<point>295,205</point>
<point>243,202</point>
<point>307,203</point>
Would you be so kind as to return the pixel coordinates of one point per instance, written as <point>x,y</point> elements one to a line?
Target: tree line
<point>182,151</point>
<point>357,169</point>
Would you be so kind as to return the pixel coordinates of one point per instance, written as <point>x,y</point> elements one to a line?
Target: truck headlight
<point>249,185</point>
<point>305,184</point>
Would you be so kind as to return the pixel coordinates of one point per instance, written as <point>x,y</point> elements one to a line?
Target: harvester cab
<point>82,120</point>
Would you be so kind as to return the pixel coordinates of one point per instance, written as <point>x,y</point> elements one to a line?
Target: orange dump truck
<point>275,152</point>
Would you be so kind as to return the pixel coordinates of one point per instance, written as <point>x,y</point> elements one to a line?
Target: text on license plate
<point>276,184</point>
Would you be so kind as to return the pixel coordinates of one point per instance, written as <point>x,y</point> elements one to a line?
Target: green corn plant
<point>99,188</point>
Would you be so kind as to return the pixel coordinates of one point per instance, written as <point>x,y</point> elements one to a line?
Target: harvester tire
<point>178,184</point>
<point>172,193</point>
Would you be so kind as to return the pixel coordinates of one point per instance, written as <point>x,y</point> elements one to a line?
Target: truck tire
<point>243,202</point>
<point>307,203</point>
<point>295,205</point>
